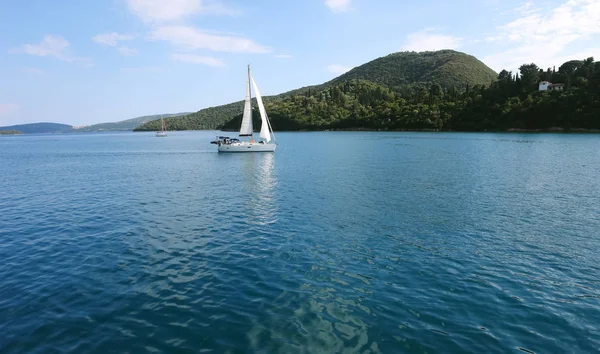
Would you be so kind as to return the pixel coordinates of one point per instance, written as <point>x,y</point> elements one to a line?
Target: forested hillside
<point>511,101</point>
<point>401,72</point>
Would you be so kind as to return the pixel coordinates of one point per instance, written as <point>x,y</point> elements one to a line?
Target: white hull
<point>161,134</point>
<point>247,147</point>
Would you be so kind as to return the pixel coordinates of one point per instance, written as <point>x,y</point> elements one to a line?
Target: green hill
<point>125,125</point>
<point>402,72</point>
<point>40,128</point>
<point>206,119</point>
<point>512,102</point>
<point>445,67</point>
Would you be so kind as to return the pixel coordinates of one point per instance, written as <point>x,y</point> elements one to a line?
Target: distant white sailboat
<point>163,130</point>
<point>268,142</point>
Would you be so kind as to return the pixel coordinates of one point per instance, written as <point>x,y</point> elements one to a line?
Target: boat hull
<point>248,147</point>
<point>161,134</point>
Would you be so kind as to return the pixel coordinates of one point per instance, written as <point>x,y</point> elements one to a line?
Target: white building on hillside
<point>548,86</point>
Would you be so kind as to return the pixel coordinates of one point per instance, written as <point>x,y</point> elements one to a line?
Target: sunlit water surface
<point>338,242</point>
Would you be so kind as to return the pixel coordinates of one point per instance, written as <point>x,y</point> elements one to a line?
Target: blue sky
<point>92,61</point>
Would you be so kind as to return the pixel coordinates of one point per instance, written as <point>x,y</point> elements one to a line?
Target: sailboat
<point>267,142</point>
<point>163,130</point>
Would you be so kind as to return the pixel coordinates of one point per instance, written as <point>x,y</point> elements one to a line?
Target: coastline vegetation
<point>512,102</point>
<point>10,132</point>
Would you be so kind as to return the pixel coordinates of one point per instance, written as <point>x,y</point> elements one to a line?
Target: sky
<point>93,61</point>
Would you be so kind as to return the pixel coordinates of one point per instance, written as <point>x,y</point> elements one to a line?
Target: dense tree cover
<point>209,118</point>
<point>445,67</point>
<point>402,72</point>
<point>10,132</point>
<point>512,101</point>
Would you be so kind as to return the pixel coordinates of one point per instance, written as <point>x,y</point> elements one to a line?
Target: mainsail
<point>246,128</point>
<point>264,129</point>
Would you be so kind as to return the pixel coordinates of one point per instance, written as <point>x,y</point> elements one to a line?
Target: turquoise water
<point>338,242</point>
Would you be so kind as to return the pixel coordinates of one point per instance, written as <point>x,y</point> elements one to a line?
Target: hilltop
<point>401,72</point>
<point>405,70</point>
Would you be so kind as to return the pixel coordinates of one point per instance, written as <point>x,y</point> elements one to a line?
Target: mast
<point>250,104</point>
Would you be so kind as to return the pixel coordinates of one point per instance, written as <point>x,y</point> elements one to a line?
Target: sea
<point>339,242</point>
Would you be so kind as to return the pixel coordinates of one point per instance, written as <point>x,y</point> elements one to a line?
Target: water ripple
<point>355,243</point>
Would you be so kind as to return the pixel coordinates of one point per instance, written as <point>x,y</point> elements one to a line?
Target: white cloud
<point>283,56</point>
<point>126,51</point>
<point>526,8</point>
<point>112,38</point>
<point>7,109</point>
<point>338,69</point>
<point>197,59</point>
<point>543,37</point>
<point>186,37</point>
<point>427,40</point>
<point>141,69</point>
<point>173,10</point>
<point>51,46</point>
<point>338,6</point>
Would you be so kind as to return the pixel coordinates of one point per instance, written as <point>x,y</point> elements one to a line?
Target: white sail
<point>264,129</point>
<point>246,128</point>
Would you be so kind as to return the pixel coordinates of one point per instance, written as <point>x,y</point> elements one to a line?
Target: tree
<point>505,76</point>
<point>570,67</point>
<point>530,76</point>
<point>435,93</point>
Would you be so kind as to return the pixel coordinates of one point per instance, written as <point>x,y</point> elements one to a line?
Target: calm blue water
<point>338,242</point>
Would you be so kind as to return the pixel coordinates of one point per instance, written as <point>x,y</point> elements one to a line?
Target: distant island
<point>10,132</point>
<point>433,91</point>
<point>57,128</point>
<point>125,125</point>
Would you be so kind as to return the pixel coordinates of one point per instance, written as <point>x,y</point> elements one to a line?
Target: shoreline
<point>554,130</point>
<point>511,130</point>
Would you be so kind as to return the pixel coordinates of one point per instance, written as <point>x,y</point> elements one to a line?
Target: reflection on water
<point>259,184</point>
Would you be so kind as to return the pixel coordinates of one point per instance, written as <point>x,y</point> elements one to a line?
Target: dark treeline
<point>513,101</point>
<point>206,119</point>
